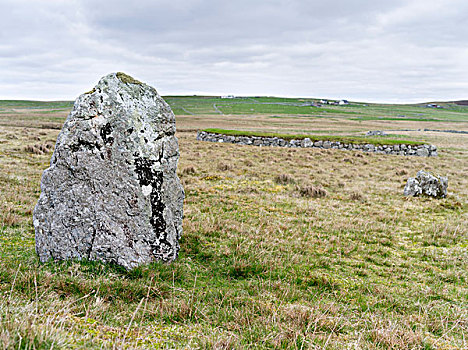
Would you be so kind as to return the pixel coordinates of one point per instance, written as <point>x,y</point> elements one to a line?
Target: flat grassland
<point>282,248</point>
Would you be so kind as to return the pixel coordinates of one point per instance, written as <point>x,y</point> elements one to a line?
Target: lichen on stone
<point>127,79</point>
<point>90,91</point>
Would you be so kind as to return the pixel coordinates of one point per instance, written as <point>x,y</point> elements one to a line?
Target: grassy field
<point>195,105</point>
<point>282,248</point>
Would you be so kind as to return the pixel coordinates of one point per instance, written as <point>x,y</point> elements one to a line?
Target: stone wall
<point>403,150</point>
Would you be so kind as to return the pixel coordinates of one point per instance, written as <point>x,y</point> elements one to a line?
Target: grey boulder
<point>422,152</point>
<point>307,142</point>
<point>111,192</point>
<point>426,184</point>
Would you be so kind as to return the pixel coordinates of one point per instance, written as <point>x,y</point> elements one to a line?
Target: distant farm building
<point>324,102</point>
<point>228,96</point>
<point>343,102</point>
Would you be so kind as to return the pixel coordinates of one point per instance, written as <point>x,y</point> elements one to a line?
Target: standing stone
<point>426,184</point>
<point>111,192</point>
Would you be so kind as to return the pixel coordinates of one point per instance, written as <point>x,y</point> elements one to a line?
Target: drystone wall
<point>404,150</point>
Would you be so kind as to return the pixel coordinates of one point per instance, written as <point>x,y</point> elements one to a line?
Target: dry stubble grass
<point>261,266</point>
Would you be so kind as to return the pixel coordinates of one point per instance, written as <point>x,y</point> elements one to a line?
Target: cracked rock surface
<point>111,192</point>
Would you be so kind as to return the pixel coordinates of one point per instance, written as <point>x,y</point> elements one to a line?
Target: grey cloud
<point>361,49</point>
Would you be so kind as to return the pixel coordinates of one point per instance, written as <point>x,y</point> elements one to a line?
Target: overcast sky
<point>364,50</point>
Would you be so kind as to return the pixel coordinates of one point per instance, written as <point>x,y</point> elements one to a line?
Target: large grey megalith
<point>111,192</point>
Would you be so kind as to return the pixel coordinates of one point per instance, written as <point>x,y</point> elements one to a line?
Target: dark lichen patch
<point>147,176</point>
<point>127,79</point>
<point>105,134</point>
<point>84,144</point>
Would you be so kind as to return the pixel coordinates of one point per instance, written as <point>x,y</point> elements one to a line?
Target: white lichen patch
<point>146,190</point>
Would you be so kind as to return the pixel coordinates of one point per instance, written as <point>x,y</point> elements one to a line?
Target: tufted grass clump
<point>39,148</point>
<point>189,170</point>
<point>225,167</point>
<point>356,196</point>
<point>312,191</point>
<point>284,179</point>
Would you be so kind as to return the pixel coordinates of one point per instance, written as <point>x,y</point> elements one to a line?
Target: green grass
<point>259,267</point>
<point>205,105</point>
<point>200,105</point>
<point>20,104</point>
<point>263,262</point>
<point>397,118</point>
<point>336,138</point>
<point>253,108</point>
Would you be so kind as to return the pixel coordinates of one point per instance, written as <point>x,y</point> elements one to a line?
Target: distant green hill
<point>285,107</point>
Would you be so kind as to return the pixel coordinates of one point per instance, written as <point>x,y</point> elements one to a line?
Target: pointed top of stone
<point>121,81</point>
<point>115,79</point>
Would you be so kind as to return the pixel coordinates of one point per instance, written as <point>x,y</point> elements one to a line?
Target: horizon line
<point>260,96</point>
